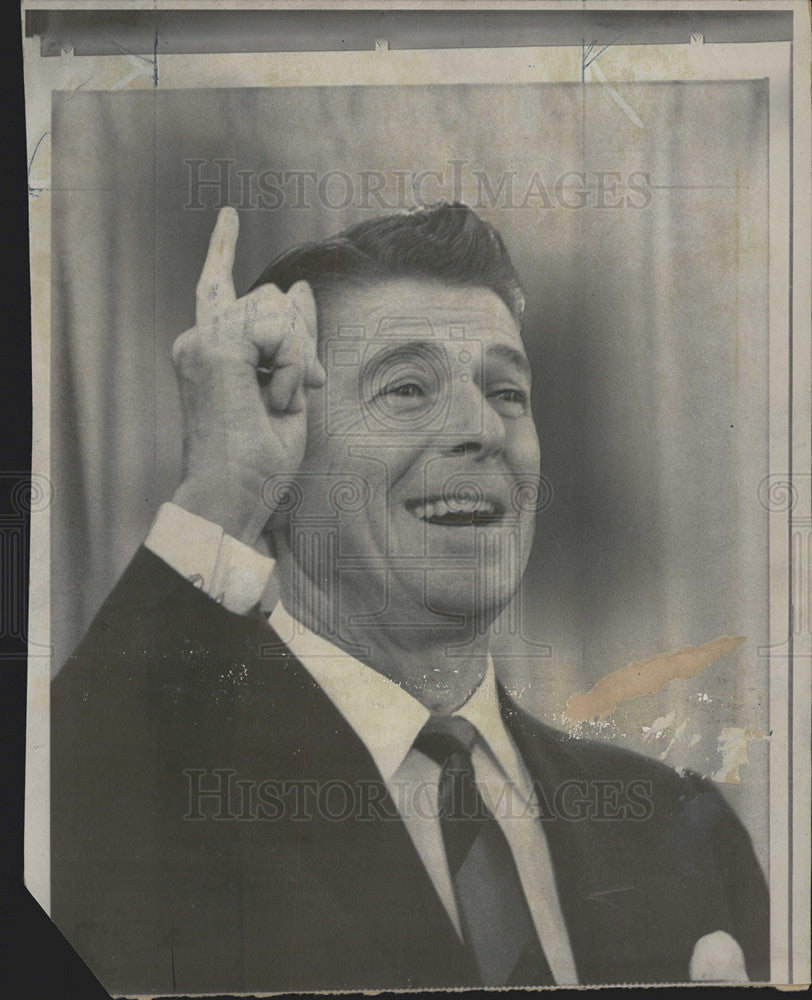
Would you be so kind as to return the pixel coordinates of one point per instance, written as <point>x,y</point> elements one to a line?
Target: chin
<point>455,593</point>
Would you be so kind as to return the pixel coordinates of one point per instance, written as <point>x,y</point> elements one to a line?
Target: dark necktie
<point>494,916</point>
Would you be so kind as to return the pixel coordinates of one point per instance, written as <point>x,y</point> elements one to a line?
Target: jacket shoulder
<point>575,757</point>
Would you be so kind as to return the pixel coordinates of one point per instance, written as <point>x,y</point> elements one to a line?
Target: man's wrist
<point>236,507</point>
<point>225,569</point>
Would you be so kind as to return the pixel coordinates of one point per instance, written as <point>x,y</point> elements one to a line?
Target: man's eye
<point>515,397</point>
<point>406,389</point>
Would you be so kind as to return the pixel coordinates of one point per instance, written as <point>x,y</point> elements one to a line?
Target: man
<point>339,794</point>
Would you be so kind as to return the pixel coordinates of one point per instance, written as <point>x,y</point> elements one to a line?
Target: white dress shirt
<point>388,719</point>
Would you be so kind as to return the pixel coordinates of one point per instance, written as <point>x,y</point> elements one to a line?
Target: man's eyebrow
<point>405,349</point>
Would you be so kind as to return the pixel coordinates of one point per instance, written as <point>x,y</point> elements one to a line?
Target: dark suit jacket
<point>168,688</point>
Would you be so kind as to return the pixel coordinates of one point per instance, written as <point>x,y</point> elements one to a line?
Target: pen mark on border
<point>35,188</point>
<point>589,58</point>
<point>587,50</point>
<point>144,66</point>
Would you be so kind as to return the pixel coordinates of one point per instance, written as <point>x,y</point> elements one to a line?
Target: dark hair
<point>443,242</point>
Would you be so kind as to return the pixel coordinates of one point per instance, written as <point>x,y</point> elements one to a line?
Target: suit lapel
<point>609,876</point>
<point>352,873</point>
<point>344,873</point>
<point>350,867</point>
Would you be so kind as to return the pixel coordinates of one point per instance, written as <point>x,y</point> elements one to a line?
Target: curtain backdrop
<point>646,327</point>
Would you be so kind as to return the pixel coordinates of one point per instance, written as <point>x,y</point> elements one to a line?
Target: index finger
<point>215,288</point>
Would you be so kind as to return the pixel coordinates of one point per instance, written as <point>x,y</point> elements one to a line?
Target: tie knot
<point>444,735</point>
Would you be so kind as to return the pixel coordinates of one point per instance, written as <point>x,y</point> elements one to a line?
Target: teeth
<point>439,508</point>
<point>469,506</point>
<point>463,506</point>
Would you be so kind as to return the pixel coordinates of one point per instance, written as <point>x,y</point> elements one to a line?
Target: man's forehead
<point>478,351</point>
<point>391,314</point>
<point>420,310</point>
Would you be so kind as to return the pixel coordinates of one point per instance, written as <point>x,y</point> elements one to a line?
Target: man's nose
<point>472,425</point>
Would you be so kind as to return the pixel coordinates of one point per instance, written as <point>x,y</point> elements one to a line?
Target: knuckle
<point>267,298</point>
<point>250,310</point>
<point>204,289</point>
<point>188,349</point>
<point>180,348</point>
<point>207,292</point>
<point>268,290</point>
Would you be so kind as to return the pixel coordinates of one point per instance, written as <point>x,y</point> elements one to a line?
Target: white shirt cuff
<point>222,567</point>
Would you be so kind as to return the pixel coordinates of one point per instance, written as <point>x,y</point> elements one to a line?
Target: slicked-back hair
<point>447,242</point>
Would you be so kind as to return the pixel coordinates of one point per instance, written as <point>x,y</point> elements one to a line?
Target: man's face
<point>421,456</point>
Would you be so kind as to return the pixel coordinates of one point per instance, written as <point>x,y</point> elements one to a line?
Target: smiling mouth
<point>456,513</point>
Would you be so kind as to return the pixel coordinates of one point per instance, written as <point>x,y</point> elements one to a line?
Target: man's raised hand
<point>243,371</point>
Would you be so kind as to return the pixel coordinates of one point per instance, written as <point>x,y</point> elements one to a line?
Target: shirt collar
<point>482,711</point>
<point>384,715</point>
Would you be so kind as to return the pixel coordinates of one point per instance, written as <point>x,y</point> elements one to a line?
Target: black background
<point>36,959</point>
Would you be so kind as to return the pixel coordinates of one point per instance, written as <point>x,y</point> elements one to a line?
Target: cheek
<point>523,448</point>
<point>336,410</point>
<point>331,436</point>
